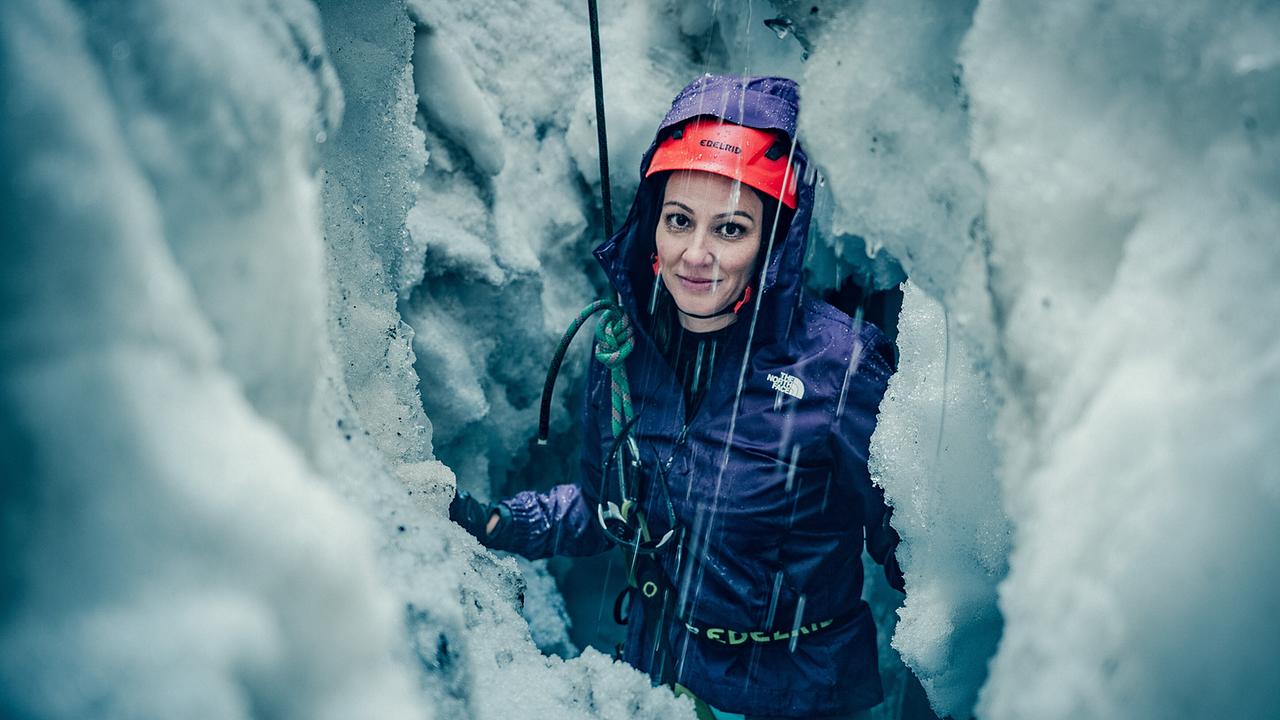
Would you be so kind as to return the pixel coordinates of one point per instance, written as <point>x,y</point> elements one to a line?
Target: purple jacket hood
<point>767,103</point>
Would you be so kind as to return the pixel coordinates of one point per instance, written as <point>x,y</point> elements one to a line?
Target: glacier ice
<point>220,492</point>
<point>932,452</point>
<point>278,275</point>
<point>1131,158</point>
<point>1103,263</point>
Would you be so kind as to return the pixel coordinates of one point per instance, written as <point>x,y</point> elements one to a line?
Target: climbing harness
<point>623,522</point>
<point>625,525</point>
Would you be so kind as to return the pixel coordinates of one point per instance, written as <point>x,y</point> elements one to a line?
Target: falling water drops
<point>855,358</point>
<point>773,601</point>
<point>795,625</point>
<point>791,466</point>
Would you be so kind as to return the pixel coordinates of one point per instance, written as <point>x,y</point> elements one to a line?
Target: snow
<point>1106,267</point>
<point>452,101</point>
<point>932,452</point>
<point>220,495</point>
<point>278,277</point>
<point>171,552</point>
<point>1133,205</point>
<point>889,131</point>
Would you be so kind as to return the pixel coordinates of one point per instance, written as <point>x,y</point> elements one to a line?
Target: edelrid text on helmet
<point>758,158</point>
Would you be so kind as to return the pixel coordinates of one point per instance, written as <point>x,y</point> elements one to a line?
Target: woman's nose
<point>699,250</point>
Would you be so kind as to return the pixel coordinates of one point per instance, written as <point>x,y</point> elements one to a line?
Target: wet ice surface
<point>220,493</point>
<point>1100,286</point>
<point>278,276</point>
<point>932,452</point>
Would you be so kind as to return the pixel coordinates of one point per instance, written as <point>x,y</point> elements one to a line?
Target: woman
<point>740,489</point>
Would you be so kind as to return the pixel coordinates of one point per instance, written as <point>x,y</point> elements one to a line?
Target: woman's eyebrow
<point>690,210</point>
<point>743,213</point>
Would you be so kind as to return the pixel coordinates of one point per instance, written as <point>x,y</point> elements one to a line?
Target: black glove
<point>474,517</point>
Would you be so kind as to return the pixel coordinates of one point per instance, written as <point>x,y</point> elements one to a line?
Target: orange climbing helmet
<point>758,158</point>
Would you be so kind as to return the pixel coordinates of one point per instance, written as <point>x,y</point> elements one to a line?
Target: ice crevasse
<point>278,276</point>
<point>220,494</point>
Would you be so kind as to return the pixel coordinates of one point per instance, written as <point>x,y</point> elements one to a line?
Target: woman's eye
<point>732,231</point>
<point>678,221</point>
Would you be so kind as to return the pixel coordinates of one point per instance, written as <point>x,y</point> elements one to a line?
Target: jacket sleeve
<point>562,521</point>
<point>851,438</point>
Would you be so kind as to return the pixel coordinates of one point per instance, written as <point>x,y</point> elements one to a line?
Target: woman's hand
<point>488,523</point>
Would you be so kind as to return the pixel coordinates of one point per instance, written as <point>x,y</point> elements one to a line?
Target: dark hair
<point>665,317</point>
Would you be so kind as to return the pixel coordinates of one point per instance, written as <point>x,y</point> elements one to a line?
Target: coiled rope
<point>614,342</point>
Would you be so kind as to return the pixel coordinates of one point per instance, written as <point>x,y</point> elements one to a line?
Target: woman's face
<point>708,236</point>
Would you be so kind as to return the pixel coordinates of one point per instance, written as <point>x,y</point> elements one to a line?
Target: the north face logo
<point>788,384</point>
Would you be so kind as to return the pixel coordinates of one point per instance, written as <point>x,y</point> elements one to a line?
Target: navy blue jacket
<point>768,479</point>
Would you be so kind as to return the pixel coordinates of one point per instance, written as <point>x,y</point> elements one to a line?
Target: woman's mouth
<point>696,284</point>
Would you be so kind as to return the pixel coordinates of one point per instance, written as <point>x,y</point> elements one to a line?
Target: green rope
<point>614,342</point>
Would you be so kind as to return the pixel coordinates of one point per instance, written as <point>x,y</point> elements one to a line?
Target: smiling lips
<point>697,284</point>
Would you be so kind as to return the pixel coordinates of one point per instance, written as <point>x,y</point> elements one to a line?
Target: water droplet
<point>791,467</point>
<point>795,626</point>
<point>773,600</point>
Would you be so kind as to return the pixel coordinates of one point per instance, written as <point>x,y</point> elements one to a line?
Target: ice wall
<point>932,452</point>
<point>1107,278</point>
<point>1133,162</point>
<point>219,495</point>
<point>169,549</point>
<point>890,129</point>
<point>500,213</point>
<point>236,237</point>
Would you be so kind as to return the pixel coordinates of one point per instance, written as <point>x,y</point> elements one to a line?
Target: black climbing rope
<point>602,137</point>
<point>613,334</point>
